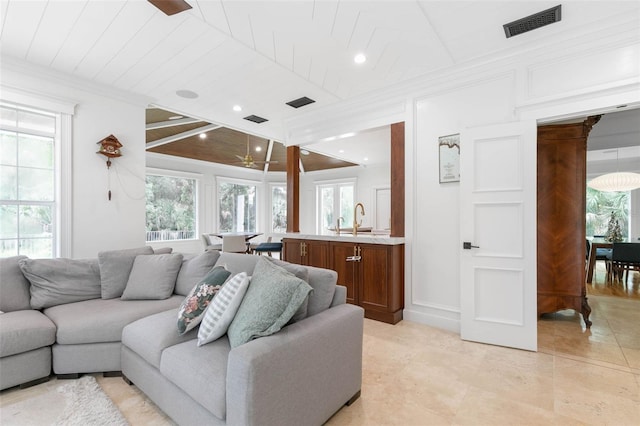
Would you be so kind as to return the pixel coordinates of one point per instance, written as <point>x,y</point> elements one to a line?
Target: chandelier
<point>613,182</point>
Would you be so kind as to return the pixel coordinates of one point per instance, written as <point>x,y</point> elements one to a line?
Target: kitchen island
<point>369,265</point>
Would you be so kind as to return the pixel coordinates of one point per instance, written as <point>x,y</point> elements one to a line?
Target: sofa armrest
<point>300,375</point>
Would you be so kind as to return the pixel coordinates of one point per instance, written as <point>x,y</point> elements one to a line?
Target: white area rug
<point>72,403</point>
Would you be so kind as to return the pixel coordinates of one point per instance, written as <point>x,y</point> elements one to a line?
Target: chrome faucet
<point>355,218</point>
<point>338,225</point>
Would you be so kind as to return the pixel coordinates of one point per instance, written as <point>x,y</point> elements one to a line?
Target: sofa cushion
<point>152,277</point>
<point>22,331</point>
<point>323,282</point>
<point>194,305</point>
<point>222,309</point>
<point>194,268</point>
<point>59,281</point>
<point>149,336</point>
<point>115,266</point>
<point>272,299</point>
<point>14,287</point>
<point>237,262</point>
<point>102,320</point>
<point>163,250</point>
<point>200,372</point>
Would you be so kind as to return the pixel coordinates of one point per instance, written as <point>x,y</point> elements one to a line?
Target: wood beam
<point>397,180</point>
<point>293,189</point>
<point>172,123</point>
<point>182,135</point>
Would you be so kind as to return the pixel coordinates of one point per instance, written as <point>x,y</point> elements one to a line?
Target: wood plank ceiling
<point>223,145</point>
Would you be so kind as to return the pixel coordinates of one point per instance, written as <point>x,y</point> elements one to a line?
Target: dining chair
<point>234,244</point>
<point>625,257</point>
<point>601,254</point>
<point>268,247</point>
<point>208,244</point>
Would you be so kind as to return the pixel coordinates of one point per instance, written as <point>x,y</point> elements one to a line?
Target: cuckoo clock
<point>110,148</point>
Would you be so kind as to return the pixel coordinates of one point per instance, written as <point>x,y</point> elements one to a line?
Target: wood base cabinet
<point>372,273</point>
<point>306,252</point>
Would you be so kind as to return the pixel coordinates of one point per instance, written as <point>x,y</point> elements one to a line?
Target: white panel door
<point>498,218</point>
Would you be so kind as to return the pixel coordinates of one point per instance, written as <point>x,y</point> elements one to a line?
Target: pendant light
<point>616,182</point>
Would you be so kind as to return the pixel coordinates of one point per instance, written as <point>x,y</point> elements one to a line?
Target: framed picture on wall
<point>449,147</point>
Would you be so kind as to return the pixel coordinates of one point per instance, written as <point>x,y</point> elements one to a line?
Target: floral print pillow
<point>193,306</point>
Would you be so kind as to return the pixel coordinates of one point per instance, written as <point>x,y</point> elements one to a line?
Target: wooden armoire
<point>562,164</point>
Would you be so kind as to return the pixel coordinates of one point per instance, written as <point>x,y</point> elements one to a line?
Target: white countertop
<point>365,238</point>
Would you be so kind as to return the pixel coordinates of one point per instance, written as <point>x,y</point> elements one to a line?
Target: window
<point>171,207</point>
<point>335,200</point>
<point>27,182</point>
<point>237,208</point>
<point>600,206</point>
<point>279,208</point>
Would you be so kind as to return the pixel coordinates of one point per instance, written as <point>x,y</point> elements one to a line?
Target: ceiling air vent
<point>533,22</point>
<point>255,119</point>
<point>300,102</point>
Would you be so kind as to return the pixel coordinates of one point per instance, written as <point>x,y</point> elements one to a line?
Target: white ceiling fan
<point>248,161</point>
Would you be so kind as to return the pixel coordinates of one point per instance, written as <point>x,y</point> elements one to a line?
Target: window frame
<point>60,205</point>
<point>270,215</point>
<point>151,171</point>
<point>336,184</point>
<point>236,181</point>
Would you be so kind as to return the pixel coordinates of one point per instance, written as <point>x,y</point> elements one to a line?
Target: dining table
<point>247,235</point>
<point>597,243</point>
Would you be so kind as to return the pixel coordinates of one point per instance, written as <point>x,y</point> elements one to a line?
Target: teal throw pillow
<point>273,297</point>
<point>194,305</point>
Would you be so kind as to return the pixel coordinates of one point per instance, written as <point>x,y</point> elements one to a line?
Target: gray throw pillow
<point>273,297</point>
<point>301,272</point>
<point>14,287</point>
<point>194,269</point>
<point>152,277</point>
<point>59,281</point>
<point>115,266</point>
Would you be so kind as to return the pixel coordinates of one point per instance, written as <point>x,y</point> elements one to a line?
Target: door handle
<point>353,258</point>
<point>468,246</point>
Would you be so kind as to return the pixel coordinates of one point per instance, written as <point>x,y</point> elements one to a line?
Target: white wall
<point>97,223</point>
<point>542,83</point>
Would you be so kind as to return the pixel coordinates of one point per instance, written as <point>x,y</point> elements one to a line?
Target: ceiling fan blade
<point>240,157</point>
<point>171,7</point>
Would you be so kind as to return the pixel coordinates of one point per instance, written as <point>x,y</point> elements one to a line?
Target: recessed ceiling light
<point>237,108</point>
<point>360,58</point>
<point>341,151</point>
<point>258,148</point>
<point>203,135</point>
<point>366,158</point>
<point>188,94</point>
<point>304,152</point>
<point>176,117</point>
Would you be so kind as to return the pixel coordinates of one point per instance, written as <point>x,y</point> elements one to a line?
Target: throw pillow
<point>163,250</point>
<point>194,268</point>
<point>59,281</point>
<point>14,287</point>
<point>222,309</point>
<point>152,277</point>
<point>115,267</point>
<point>272,299</point>
<point>301,272</point>
<point>193,306</point>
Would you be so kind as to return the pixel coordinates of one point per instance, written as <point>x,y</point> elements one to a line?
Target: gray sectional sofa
<point>51,322</point>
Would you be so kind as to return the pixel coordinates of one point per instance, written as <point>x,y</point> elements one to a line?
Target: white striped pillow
<point>222,309</point>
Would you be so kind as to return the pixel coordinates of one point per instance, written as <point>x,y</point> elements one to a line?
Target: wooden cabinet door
<point>316,253</point>
<point>292,250</point>
<point>346,270</point>
<point>373,277</point>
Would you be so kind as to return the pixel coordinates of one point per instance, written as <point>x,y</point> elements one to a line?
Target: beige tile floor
<point>418,375</point>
